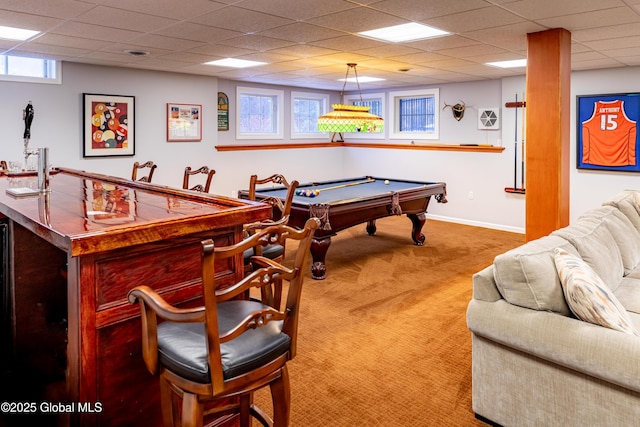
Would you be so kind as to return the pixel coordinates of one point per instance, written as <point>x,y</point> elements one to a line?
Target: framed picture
<point>109,123</point>
<point>184,122</point>
<point>607,132</point>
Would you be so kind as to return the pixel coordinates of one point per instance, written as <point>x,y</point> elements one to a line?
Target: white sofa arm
<point>594,350</point>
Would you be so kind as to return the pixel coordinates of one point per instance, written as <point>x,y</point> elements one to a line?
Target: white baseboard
<point>500,227</point>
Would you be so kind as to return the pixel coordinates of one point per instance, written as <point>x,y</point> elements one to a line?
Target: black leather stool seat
<point>183,348</point>
<point>269,251</point>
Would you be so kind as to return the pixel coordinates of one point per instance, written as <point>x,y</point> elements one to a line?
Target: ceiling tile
<point>242,20</point>
<point>358,20</point>
<point>299,10</point>
<point>580,21</point>
<point>95,32</point>
<point>477,19</point>
<point>418,10</point>
<point>309,42</point>
<point>257,43</point>
<point>198,32</point>
<point>301,32</point>
<point>182,9</point>
<point>105,16</point>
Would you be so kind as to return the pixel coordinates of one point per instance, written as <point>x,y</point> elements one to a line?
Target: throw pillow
<point>588,297</point>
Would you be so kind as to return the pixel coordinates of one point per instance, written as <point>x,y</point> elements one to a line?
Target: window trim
<point>394,121</point>
<point>348,100</point>
<point>30,79</point>
<point>278,115</point>
<point>324,98</point>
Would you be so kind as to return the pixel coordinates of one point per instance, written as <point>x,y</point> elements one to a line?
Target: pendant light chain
<point>346,77</point>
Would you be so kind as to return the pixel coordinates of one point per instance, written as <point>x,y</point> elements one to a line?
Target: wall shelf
<point>422,146</point>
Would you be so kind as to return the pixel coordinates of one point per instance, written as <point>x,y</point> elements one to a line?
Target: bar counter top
<point>85,213</point>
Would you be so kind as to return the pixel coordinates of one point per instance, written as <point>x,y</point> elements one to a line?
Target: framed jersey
<point>607,132</point>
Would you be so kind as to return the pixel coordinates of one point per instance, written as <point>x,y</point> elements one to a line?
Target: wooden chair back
<point>204,170</point>
<point>137,166</point>
<point>284,206</point>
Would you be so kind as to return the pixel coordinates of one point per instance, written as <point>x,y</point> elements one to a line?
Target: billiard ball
<point>386,182</point>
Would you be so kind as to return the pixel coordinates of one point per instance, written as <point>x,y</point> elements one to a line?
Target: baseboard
<point>493,226</point>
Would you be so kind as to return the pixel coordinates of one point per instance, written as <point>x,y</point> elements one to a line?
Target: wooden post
<point>547,131</point>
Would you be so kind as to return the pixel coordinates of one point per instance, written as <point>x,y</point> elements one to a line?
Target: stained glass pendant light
<point>350,118</point>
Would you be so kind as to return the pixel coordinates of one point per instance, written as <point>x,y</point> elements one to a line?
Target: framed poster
<point>223,111</point>
<point>109,123</point>
<point>184,122</point>
<point>607,132</point>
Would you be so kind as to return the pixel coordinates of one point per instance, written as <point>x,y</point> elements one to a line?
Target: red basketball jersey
<point>609,136</point>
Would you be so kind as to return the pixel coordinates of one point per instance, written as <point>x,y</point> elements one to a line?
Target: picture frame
<point>607,132</point>
<point>184,122</point>
<point>109,125</point>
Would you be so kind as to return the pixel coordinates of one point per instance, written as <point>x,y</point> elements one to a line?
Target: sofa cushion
<point>628,202</point>
<point>596,247</point>
<point>623,232</point>
<point>628,293</point>
<point>588,296</point>
<point>526,276</point>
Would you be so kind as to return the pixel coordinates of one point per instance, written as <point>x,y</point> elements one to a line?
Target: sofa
<point>537,358</point>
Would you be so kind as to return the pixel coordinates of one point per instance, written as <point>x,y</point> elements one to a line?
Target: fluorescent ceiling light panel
<point>234,63</point>
<point>364,79</point>
<point>12,33</point>
<point>404,32</point>
<point>515,63</point>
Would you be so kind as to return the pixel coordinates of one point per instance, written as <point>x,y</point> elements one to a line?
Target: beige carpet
<point>383,339</point>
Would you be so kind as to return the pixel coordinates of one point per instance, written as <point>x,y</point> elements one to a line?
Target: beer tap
<point>27,116</point>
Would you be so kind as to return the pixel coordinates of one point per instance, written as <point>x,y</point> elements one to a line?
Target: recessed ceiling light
<point>363,79</point>
<point>12,33</point>
<point>404,32</point>
<point>515,63</point>
<point>234,63</point>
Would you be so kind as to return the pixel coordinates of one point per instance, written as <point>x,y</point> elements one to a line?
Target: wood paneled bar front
<point>73,254</point>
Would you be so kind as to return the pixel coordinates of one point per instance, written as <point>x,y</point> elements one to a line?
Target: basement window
<point>30,70</point>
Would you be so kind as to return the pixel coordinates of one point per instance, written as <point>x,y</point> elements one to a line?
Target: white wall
<point>480,175</point>
<point>588,187</point>
<point>58,125</point>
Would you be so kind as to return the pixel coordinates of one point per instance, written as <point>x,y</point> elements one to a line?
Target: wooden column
<point>547,131</point>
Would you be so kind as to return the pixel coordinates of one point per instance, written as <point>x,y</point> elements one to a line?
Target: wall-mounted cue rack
<point>515,189</point>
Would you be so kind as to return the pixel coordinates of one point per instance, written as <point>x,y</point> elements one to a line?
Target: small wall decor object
<point>109,123</point>
<point>457,109</point>
<point>223,111</point>
<point>184,122</point>
<point>488,118</point>
<point>607,132</point>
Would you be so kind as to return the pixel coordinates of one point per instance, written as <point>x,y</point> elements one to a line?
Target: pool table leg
<point>319,249</point>
<point>418,221</point>
<point>371,227</point>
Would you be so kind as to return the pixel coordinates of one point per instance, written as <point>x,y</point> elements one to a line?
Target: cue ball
<point>386,181</point>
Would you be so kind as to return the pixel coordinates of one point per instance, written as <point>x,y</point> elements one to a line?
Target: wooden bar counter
<point>73,254</point>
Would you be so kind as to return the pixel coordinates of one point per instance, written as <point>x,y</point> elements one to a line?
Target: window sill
<point>438,147</point>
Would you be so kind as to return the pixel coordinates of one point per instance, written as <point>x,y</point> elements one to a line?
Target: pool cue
<point>522,144</point>
<point>515,149</point>
<point>347,185</point>
<point>314,193</point>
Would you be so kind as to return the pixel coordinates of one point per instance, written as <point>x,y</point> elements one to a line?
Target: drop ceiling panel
<point>309,42</point>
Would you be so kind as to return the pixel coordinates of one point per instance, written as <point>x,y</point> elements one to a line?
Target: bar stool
<point>137,166</point>
<point>204,170</point>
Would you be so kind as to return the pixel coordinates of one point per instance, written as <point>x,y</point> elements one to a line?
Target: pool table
<point>343,203</point>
